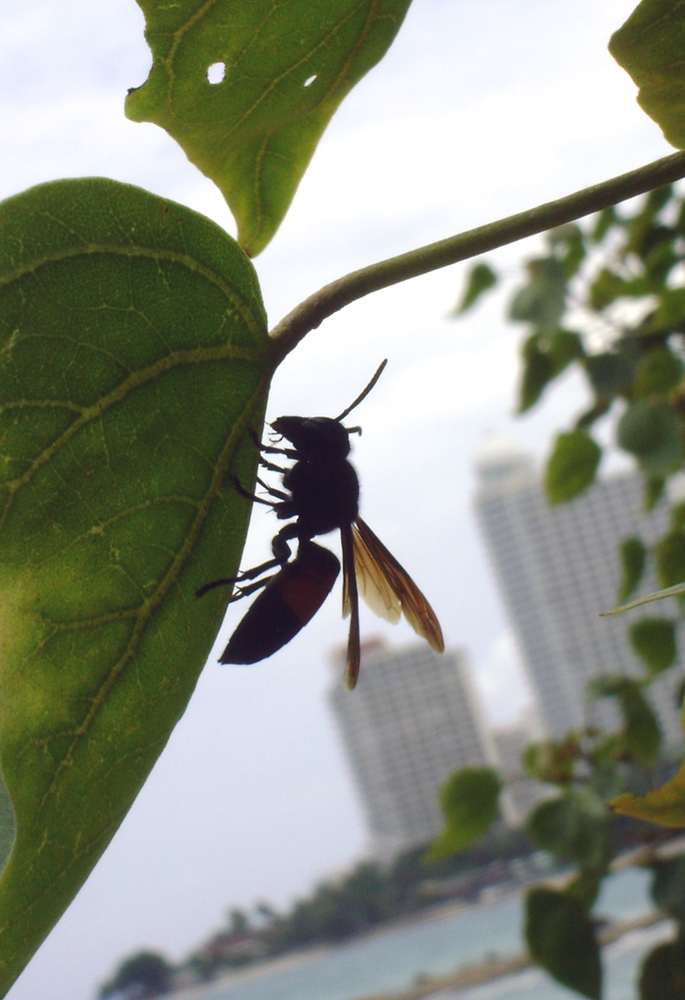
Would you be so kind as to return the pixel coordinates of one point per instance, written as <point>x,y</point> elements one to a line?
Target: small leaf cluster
<point>663,970</point>
<point>575,825</point>
<point>608,299</point>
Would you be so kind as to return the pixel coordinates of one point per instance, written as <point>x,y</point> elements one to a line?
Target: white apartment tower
<point>558,567</point>
<point>411,721</point>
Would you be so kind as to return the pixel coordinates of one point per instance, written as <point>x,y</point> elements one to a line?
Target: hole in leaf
<point>310,80</point>
<point>215,72</point>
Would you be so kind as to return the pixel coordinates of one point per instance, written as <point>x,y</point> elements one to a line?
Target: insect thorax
<point>325,495</point>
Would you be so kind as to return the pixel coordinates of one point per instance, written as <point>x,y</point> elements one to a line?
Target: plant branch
<point>313,310</point>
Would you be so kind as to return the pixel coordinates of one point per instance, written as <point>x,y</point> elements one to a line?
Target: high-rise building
<point>520,792</point>
<point>412,720</point>
<point>558,568</point>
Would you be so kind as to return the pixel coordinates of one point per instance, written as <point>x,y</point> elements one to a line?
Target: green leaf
<point>649,47</point>
<point>552,762</point>
<point>657,372</point>
<point>594,413</point>
<point>660,256</point>
<point>658,595</point>
<point>133,358</point>
<point>586,885</point>
<point>678,516</point>
<point>573,826</point>
<point>663,972</point>
<point>654,490</point>
<point>633,555</point>
<point>603,223</point>
<point>562,940</point>
<point>468,801</point>
<point>651,431</point>
<point>568,242</point>
<point>545,356</point>
<point>286,68</point>
<point>668,886</point>
<point>605,289</point>
<point>669,558</point>
<point>645,230</point>
<point>481,278</point>
<point>610,374</point>
<point>653,639</point>
<point>665,806</point>
<point>543,300</point>
<point>641,732</point>
<point>572,466</point>
<point>669,315</point>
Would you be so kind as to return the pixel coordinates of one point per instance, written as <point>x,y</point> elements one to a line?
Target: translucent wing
<point>350,607</point>
<point>388,589</point>
<point>372,581</point>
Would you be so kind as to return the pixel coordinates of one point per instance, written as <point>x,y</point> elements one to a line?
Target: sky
<point>478,111</point>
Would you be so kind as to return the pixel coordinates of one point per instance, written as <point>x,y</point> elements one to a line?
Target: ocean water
<point>621,969</point>
<point>392,959</point>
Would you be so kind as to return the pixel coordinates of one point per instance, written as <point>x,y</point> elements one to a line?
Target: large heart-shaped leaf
<point>283,69</point>
<point>649,46</point>
<point>133,356</point>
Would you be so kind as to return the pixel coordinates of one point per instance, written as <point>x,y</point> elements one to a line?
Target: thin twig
<point>312,311</point>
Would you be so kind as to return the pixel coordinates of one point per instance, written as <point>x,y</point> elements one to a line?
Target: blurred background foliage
<point>607,297</point>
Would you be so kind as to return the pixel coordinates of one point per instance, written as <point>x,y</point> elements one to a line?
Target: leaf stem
<point>311,312</point>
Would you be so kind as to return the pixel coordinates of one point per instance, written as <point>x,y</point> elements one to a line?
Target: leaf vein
<point>144,613</point>
<point>173,256</point>
<point>198,355</point>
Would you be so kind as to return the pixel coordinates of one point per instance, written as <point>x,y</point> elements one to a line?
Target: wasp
<point>320,494</point>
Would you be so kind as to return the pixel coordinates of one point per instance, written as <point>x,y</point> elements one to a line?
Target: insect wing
<point>350,607</point>
<point>373,583</point>
<point>388,589</point>
<point>290,600</point>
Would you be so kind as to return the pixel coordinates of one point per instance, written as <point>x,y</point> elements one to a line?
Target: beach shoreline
<point>478,973</point>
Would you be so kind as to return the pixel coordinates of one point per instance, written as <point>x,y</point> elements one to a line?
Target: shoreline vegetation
<point>366,902</point>
<point>462,978</point>
<point>368,897</point>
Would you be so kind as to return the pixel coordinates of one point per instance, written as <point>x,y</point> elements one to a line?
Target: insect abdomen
<point>288,602</point>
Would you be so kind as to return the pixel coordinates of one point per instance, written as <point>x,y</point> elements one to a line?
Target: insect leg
<point>250,496</point>
<point>249,574</point>
<point>272,467</point>
<point>225,581</point>
<point>241,592</point>
<point>272,491</point>
<point>282,553</point>
<point>281,550</point>
<point>270,450</point>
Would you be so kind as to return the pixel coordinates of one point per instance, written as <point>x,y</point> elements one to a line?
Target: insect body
<point>322,496</point>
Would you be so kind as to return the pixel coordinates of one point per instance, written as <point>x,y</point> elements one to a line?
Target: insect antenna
<point>365,393</point>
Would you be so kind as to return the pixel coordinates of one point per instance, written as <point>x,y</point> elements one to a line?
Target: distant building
<point>558,567</point>
<point>520,792</point>
<point>412,720</point>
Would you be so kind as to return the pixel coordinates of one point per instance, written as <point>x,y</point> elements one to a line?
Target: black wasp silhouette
<point>322,495</point>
